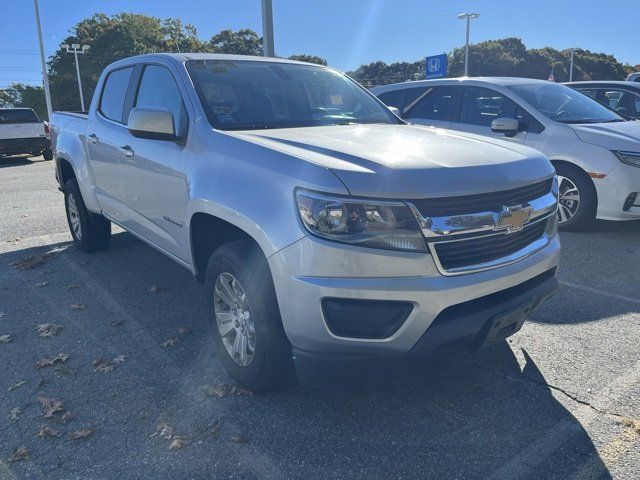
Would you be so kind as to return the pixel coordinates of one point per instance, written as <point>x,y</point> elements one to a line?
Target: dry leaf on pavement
<point>15,413</point>
<point>73,286</point>
<point>6,338</point>
<point>178,442</point>
<point>50,406</point>
<point>79,434</point>
<point>66,417</point>
<point>163,430</point>
<point>184,330</point>
<point>48,329</point>
<point>16,385</point>
<point>238,439</point>
<point>48,432</point>
<point>118,359</point>
<point>19,454</point>
<point>77,306</point>
<point>115,323</point>
<point>170,342</point>
<point>46,362</point>
<point>102,365</point>
<point>42,284</point>
<point>223,390</point>
<point>33,261</point>
<point>2,314</point>
<point>157,289</point>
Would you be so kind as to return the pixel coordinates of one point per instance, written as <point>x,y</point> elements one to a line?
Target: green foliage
<point>242,42</point>
<point>309,59</point>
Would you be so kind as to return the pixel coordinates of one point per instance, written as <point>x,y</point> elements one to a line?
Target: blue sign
<point>437,66</point>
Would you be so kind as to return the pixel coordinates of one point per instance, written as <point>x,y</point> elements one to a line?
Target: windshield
<point>564,104</point>
<point>239,95</point>
<point>18,116</point>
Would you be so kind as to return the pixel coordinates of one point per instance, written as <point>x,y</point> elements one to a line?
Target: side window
<point>114,93</point>
<point>158,89</point>
<point>481,106</point>
<point>435,103</point>
<point>622,102</point>
<point>394,98</point>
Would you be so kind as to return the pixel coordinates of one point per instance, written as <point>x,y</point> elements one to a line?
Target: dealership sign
<point>436,66</point>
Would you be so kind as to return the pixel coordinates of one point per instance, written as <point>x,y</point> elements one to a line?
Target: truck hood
<point>612,136</point>
<point>403,161</point>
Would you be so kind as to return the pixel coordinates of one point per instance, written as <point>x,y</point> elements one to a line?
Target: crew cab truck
<point>22,132</point>
<point>325,229</point>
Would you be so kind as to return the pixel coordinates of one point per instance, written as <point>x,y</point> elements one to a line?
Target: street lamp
<point>571,66</point>
<point>45,78</point>
<point>76,49</point>
<point>267,29</point>
<point>468,17</point>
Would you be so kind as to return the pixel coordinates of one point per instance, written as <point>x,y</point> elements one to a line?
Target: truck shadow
<point>457,416</point>
<point>16,161</point>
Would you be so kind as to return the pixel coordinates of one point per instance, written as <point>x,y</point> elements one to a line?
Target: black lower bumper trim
<point>15,146</point>
<point>465,324</point>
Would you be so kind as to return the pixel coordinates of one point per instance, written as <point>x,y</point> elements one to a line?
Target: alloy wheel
<point>569,201</point>
<point>74,216</point>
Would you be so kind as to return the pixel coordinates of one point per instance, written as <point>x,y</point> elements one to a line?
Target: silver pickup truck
<point>326,230</point>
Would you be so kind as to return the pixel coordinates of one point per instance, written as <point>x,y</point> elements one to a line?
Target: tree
<point>309,59</point>
<point>242,42</point>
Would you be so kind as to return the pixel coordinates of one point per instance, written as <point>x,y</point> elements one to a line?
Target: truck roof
<point>183,57</point>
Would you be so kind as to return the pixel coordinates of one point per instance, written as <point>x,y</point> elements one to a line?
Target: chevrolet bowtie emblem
<point>513,219</point>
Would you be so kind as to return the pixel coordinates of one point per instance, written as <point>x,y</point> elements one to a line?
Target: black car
<point>623,97</point>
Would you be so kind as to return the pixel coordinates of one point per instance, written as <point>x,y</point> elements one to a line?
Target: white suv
<point>595,151</point>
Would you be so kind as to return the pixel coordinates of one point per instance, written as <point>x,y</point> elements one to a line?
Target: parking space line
<point>5,473</point>
<point>598,291</point>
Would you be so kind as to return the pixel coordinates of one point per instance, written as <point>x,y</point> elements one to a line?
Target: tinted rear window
<point>18,116</point>
<point>114,93</point>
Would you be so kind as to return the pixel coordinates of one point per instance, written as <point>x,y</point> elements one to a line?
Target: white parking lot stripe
<point>598,291</point>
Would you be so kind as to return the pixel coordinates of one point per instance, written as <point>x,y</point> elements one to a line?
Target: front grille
<point>483,202</point>
<point>478,250</point>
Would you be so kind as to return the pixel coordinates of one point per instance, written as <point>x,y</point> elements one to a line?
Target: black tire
<point>47,154</point>
<point>94,233</point>
<point>271,366</point>
<point>585,214</point>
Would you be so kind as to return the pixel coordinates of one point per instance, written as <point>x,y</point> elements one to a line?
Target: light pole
<point>75,51</point>
<point>45,79</point>
<point>571,66</point>
<point>468,17</point>
<point>267,29</point>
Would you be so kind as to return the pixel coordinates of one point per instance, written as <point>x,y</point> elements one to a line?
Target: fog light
<point>629,202</point>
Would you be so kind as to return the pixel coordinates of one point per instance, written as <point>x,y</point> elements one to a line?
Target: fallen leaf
<point>48,329</point>
<point>66,417</point>
<point>73,286</point>
<point>170,342</point>
<point>115,323</point>
<point>184,330</point>
<point>238,439</point>
<point>118,359</point>
<point>46,362</point>
<point>178,442</point>
<point>157,289</point>
<point>102,365</point>
<point>33,261</point>
<point>215,430</point>
<point>79,434</point>
<point>2,314</point>
<point>77,306</point>
<point>42,284</point>
<point>225,390</point>
<point>15,413</point>
<point>6,338</point>
<point>48,432</point>
<point>50,406</point>
<point>163,430</point>
<point>19,454</point>
<point>16,385</point>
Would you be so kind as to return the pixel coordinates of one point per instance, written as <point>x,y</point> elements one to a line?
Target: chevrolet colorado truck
<point>326,230</point>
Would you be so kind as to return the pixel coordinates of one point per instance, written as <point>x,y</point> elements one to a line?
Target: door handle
<point>93,138</point>
<point>127,150</point>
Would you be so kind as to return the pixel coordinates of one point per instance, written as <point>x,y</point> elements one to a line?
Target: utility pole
<point>468,17</point>
<point>45,79</point>
<point>267,29</point>
<point>75,51</point>
<point>571,66</point>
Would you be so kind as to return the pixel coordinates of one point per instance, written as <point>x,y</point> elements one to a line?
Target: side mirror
<point>508,126</point>
<point>155,123</point>
<point>394,110</point>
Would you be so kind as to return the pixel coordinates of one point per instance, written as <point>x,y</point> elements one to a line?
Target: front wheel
<point>248,333</point>
<point>90,232</point>
<point>577,198</point>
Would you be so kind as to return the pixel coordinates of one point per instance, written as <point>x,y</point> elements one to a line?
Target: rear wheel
<point>47,154</point>
<point>90,232</point>
<point>248,333</point>
<point>577,198</point>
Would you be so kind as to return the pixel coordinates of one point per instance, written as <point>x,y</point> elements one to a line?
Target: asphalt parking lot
<point>561,399</point>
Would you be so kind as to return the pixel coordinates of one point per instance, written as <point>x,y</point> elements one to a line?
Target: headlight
<point>366,223</point>
<point>630,158</point>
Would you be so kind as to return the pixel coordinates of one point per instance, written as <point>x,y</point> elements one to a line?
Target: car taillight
<point>46,128</point>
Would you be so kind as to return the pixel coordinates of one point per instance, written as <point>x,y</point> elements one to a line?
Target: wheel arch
<point>578,168</point>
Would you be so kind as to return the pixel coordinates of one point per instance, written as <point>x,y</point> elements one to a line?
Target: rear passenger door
<point>622,101</point>
<point>106,134</point>
<point>153,171</point>
<point>434,106</point>
<point>480,106</point>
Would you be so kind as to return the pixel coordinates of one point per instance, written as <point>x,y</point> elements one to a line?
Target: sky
<point>347,33</point>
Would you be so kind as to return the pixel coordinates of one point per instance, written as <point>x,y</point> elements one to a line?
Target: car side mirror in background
<point>155,123</point>
<point>508,126</point>
<point>394,110</point>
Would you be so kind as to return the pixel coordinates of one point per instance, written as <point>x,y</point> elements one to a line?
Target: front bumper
<point>311,270</point>
<point>16,146</point>
<point>614,189</point>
